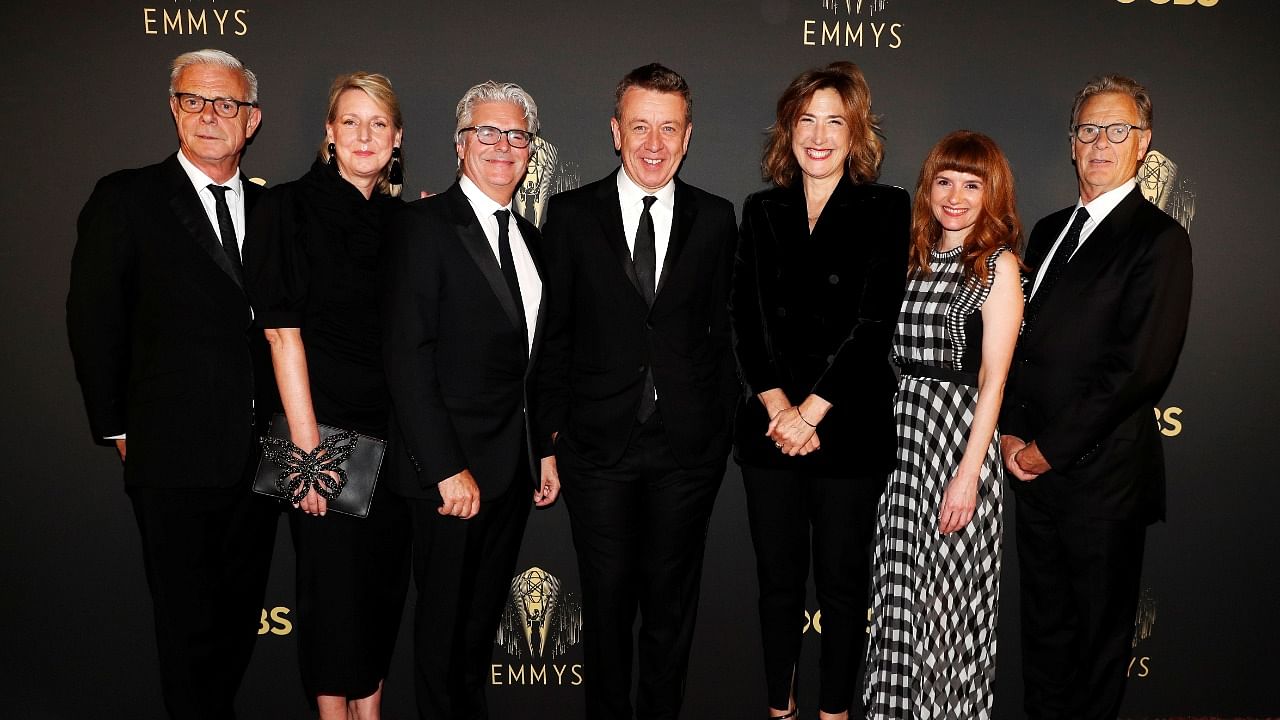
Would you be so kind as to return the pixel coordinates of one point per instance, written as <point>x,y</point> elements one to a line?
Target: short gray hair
<point>1118,84</point>
<point>491,91</point>
<point>209,56</point>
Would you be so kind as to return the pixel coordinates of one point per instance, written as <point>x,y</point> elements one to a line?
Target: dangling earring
<point>396,175</point>
<point>333,155</point>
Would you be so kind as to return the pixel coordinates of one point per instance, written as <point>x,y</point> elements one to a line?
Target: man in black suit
<point>461,308</point>
<point>637,385</point>
<point>160,332</point>
<point>1108,297</point>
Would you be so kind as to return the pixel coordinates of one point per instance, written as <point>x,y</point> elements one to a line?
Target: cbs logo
<point>275,621</point>
<point>1201,3</point>
<point>1168,422</point>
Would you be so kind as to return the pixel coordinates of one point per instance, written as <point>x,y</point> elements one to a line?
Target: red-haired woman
<point>937,562</point>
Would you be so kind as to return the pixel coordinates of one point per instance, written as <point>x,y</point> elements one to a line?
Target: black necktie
<point>1057,263</point>
<point>645,259</point>
<point>645,256</point>
<point>509,268</point>
<point>226,228</point>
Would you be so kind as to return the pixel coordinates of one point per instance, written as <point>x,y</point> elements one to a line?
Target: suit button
<point>781,312</point>
<point>640,369</point>
<point>834,279</point>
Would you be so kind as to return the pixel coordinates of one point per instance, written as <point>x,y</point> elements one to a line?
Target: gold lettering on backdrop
<point>1139,666</point>
<point>841,33</point>
<point>559,674</point>
<point>160,21</point>
<point>275,621</point>
<point>1201,3</point>
<point>193,24</point>
<point>1167,421</point>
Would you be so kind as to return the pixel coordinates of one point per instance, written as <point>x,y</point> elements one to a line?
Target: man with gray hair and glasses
<point>462,318</point>
<point>160,331</point>
<point>1108,293</point>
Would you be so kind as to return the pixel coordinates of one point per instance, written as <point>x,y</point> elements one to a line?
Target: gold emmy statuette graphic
<point>1143,623</point>
<point>1160,182</point>
<point>540,620</point>
<point>548,174</point>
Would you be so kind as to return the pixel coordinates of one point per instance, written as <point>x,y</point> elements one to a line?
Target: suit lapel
<point>686,210</point>
<point>477,245</point>
<point>1095,253</point>
<point>531,240</point>
<point>609,213</point>
<point>1101,245</point>
<point>1038,247</point>
<point>187,207</point>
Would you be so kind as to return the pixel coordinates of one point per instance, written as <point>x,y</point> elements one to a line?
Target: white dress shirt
<point>1099,208</point>
<point>235,199</point>
<point>631,198</point>
<point>526,272</point>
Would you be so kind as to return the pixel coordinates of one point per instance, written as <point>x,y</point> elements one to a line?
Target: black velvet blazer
<point>814,313</point>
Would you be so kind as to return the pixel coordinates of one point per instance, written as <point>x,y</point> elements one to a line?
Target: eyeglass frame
<point>1104,130</point>
<point>501,133</point>
<point>214,101</point>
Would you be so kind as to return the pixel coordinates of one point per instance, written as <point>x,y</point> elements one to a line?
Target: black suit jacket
<point>159,325</point>
<point>814,313</point>
<point>454,352</point>
<point>602,338</point>
<point>1095,361</point>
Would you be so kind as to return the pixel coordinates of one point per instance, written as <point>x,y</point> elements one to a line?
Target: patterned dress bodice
<point>940,324</point>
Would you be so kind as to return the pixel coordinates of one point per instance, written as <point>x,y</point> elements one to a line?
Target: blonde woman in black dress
<point>311,262</point>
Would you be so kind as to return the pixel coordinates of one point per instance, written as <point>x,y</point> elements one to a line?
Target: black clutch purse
<point>286,472</point>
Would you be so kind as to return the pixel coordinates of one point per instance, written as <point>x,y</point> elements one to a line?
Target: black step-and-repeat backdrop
<point>84,94</point>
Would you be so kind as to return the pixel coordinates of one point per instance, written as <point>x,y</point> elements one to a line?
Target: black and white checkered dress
<point>932,651</point>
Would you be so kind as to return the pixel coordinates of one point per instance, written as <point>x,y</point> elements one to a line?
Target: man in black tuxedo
<point>637,385</point>
<point>1108,297</point>
<point>463,323</point>
<point>160,332</point>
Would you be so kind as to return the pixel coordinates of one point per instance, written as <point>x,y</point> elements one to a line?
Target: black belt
<point>934,372</point>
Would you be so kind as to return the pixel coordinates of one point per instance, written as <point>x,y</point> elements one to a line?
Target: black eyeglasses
<point>226,107</point>
<point>489,135</point>
<point>1116,132</point>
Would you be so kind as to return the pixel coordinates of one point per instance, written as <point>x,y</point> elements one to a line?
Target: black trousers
<point>639,529</point>
<point>795,515</point>
<point>463,570</point>
<point>207,553</point>
<point>1079,592</point>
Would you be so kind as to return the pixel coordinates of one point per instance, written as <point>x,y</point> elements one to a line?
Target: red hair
<point>997,225</point>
